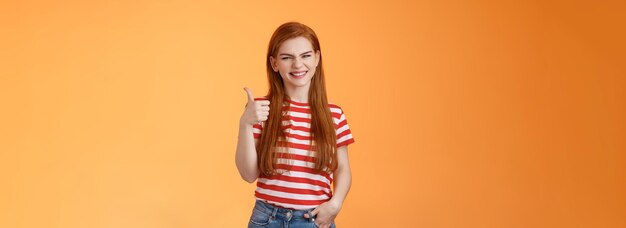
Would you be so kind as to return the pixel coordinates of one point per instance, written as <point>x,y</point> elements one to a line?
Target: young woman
<point>292,141</point>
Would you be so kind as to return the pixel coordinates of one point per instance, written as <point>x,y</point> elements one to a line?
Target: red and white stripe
<point>297,186</point>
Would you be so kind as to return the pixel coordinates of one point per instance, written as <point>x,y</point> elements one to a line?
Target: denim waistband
<point>282,213</point>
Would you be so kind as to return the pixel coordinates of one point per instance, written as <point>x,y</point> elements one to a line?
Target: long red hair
<point>323,136</point>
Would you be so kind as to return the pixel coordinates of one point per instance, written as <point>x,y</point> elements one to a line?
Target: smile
<point>298,74</point>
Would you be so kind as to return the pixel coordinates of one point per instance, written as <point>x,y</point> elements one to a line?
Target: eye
<point>306,56</point>
<point>285,58</point>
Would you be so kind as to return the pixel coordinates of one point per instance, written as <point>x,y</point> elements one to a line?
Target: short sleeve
<point>344,135</point>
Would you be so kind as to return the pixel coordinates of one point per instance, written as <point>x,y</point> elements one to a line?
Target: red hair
<point>323,136</point>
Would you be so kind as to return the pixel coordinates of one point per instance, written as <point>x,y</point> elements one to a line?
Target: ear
<point>273,64</point>
<point>318,55</point>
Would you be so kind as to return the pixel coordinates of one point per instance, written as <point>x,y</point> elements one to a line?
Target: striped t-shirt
<point>298,186</point>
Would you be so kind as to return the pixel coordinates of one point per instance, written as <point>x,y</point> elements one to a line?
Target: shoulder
<point>336,111</point>
<point>334,107</point>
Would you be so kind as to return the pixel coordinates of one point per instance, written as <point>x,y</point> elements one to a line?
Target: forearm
<point>342,183</point>
<point>246,157</point>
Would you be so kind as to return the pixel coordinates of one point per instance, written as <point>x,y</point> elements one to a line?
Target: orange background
<point>466,113</point>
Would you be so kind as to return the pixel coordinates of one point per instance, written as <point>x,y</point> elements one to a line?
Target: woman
<point>292,141</point>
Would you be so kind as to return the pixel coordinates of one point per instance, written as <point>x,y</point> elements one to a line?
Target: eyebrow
<point>308,52</point>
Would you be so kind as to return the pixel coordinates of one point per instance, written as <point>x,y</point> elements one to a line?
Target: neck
<point>298,94</point>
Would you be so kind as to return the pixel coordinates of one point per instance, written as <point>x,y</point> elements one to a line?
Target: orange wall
<point>466,113</point>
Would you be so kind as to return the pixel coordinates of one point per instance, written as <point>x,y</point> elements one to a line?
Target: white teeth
<point>299,74</point>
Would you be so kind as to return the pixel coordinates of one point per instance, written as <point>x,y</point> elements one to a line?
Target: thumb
<point>249,92</point>
<point>315,211</point>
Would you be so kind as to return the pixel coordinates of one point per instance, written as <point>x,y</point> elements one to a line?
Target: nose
<point>297,63</point>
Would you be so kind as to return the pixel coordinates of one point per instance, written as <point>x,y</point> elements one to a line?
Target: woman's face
<point>296,62</point>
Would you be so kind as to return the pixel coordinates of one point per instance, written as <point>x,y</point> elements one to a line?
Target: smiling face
<point>296,62</point>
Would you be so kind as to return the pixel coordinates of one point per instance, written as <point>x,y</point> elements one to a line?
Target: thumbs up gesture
<point>256,111</point>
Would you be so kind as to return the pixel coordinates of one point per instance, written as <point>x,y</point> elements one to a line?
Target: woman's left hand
<point>326,214</point>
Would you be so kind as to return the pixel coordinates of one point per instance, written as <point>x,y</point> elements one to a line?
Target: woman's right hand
<point>256,111</point>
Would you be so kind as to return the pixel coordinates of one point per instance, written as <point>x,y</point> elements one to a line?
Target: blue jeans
<point>265,215</point>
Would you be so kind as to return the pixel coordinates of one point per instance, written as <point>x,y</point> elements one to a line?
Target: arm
<point>245,157</point>
<point>343,177</point>
<point>327,212</point>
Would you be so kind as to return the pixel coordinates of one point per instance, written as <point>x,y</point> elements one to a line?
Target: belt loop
<point>274,212</point>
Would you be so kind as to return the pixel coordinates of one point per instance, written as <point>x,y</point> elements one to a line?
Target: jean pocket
<point>259,218</point>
